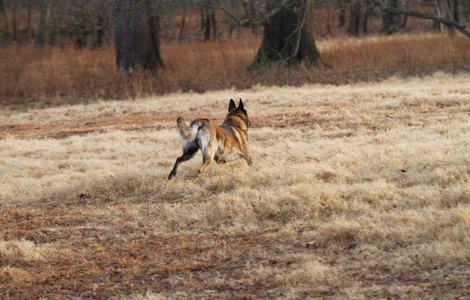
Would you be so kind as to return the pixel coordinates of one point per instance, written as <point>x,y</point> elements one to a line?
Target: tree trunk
<point>342,13</point>
<point>100,24</point>
<point>405,19</point>
<point>355,8</point>
<point>288,38</point>
<point>56,34</point>
<point>29,30</point>
<point>207,25</point>
<point>214,25</point>
<point>443,11</point>
<point>3,10</point>
<point>81,39</point>
<point>231,23</point>
<point>13,20</point>
<point>254,12</point>
<point>42,23</point>
<point>391,21</point>
<point>210,24</point>
<point>466,10</point>
<point>137,40</point>
<point>367,12</point>
<point>456,11</point>
<point>183,22</point>
<point>203,17</point>
<point>328,17</point>
<point>151,52</point>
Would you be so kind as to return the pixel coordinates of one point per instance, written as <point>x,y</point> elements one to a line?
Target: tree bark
<point>203,17</point>
<point>255,12</point>
<point>466,10</point>
<point>342,13</point>
<point>56,34</point>
<point>42,23</point>
<point>100,24</point>
<point>405,19</point>
<point>29,30</point>
<point>355,8</point>
<point>210,24</point>
<point>13,20</point>
<point>390,20</point>
<point>288,38</point>
<point>207,25</point>
<point>137,36</point>
<point>214,25</point>
<point>183,22</point>
<point>456,11</point>
<point>328,18</point>
<point>3,10</point>
<point>367,12</point>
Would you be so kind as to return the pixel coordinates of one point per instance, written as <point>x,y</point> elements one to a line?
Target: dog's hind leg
<point>187,155</point>
<point>207,158</point>
<point>248,159</point>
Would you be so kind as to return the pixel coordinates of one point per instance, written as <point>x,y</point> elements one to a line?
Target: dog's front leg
<point>246,154</point>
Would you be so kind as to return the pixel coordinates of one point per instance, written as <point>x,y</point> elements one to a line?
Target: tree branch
<point>460,27</point>
<point>251,21</point>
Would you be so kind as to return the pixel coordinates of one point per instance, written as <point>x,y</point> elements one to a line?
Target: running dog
<point>224,143</point>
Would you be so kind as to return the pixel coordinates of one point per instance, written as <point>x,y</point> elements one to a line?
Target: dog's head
<point>239,111</point>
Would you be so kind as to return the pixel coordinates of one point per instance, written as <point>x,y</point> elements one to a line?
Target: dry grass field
<point>357,191</point>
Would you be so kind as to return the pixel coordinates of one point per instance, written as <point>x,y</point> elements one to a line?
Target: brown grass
<point>57,76</point>
<point>357,191</point>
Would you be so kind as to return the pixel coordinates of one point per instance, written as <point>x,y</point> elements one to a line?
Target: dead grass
<point>357,191</point>
<point>57,76</point>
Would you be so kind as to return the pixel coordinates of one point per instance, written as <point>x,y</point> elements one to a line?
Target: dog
<point>225,143</point>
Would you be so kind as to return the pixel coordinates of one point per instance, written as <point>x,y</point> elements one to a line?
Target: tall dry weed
<point>68,75</point>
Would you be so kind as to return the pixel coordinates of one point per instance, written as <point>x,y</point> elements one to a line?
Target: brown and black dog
<point>224,143</point>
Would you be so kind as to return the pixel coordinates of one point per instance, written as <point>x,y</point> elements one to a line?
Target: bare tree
<point>288,34</point>
<point>446,21</point>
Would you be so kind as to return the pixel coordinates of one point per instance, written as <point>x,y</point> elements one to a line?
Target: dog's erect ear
<point>231,105</point>
<point>240,104</point>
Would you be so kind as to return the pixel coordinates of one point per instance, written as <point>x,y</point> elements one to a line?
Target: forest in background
<point>54,52</point>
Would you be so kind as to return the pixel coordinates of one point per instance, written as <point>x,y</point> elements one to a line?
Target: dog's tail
<point>188,133</point>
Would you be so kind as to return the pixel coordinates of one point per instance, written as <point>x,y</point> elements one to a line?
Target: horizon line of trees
<point>135,26</point>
